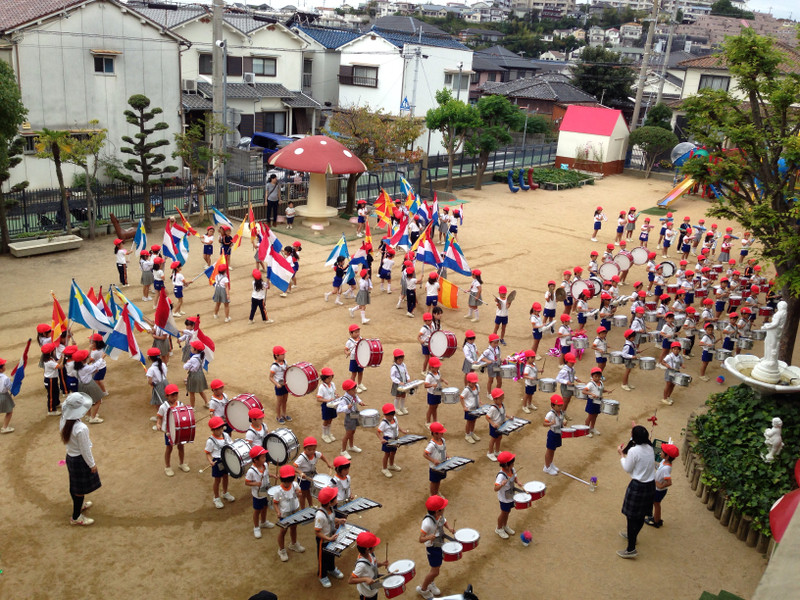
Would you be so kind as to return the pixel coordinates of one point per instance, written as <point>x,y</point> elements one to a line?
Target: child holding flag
<point>222,292</point>
<point>6,401</point>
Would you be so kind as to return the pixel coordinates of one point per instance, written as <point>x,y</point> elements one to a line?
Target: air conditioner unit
<point>250,78</point>
<point>189,86</point>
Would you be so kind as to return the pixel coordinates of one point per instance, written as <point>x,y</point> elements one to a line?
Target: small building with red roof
<point>593,138</point>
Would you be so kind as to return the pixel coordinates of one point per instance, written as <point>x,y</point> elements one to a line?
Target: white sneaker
<point>501,533</point>
<point>386,473</point>
<point>327,295</point>
<point>154,419</point>
<point>626,387</point>
<point>667,401</point>
<point>218,503</point>
<point>469,439</point>
<point>296,547</point>
<point>491,457</point>
<point>409,315</point>
<point>364,321</point>
<point>332,438</point>
<point>355,449</point>
<point>169,472</point>
<point>475,437</point>
<point>526,409</point>
<point>433,589</point>
<point>283,295</point>
<point>326,583</point>
<point>395,468</point>
<point>345,454</point>
<point>337,301</point>
<point>351,310</point>
<point>227,319</point>
<point>326,439</point>
<point>267,525</point>
<point>284,556</point>
<point>424,593</point>
<point>184,467</point>
<point>594,431</point>
<point>228,497</point>
<point>257,532</point>
<point>81,520</point>
<point>509,531</point>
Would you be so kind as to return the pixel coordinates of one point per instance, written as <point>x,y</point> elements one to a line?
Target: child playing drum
<point>306,468</point>
<point>672,362</point>
<point>433,385</point>
<point>388,430</point>
<point>435,453</point>
<point>366,570</point>
<point>214,444</point>
<point>470,400</point>
<point>504,486</point>
<point>171,392</point>
<point>554,419</point>
<point>325,525</point>
<point>348,404</point>
<point>257,479</point>
<point>326,392</point>
<point>594,398</point>
<point>356,372</point>
<point>219,400</point>
<point>256,434</point>
<point>496,417</point>
<point>432,535</point>
<point>530,376</point>
<point>398,373</point>
<point>285,502</point>
<point>277,375</point>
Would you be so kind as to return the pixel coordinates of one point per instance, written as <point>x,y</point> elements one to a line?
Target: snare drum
<point>508,371</point>
<point>701,293</point>
<point>369,353</point>
<point>450,395</point>
<point>647,363</point>
<point>650,305</point>
<point>452,551</point>
<point>369,417</point>
<point>667,268</point>
<point>720,325</point>
<point>579,393</point>
<point>651,316</point>
<point>319,482</point>
<point>672,288</point>
<point>624,260</point>
<point>522,501</point>
<point>301,379</point>
<point>536,489</point>
<point>653,336</point>
<point>610,407</point>
<point>681,379</point>
<point>236,457</point>
<point>180,425</point>
<point>580,343</point>
<point>282,446</point>
<point>404,568</point>
<point>620,321</point>
<point>468,538</point>
<point>758,334</point>
<point>717,268</point>
<point>547,385</point>
<point>735,300</point>
<point>721,354</point>
<point>236,411</point>
<point>764,289</point>
<point>744,343</point>
<point>686,343</point>
<point>443,344</point>
<point>680,319</point>
<point>394,586</point>
<point>567,432</point>
<point>616,358</point>
<point>581,430</point>
<point>641,337</point>
<point>765,311</point>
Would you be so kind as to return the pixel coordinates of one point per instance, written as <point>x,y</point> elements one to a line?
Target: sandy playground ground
<point>161,537</point>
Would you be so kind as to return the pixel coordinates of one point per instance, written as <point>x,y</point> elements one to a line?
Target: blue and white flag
<point>87,313</point>
<point>140,239</point>
<point>219,218</point>
<point>339,250</point>
<point>121,338</point>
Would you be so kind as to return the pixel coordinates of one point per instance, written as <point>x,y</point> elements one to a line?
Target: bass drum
<point>237,411</point>
<point>236,457</point>
<point>624,260</point>
<point>608,270</point>
<point>639,255</point>
<point>667,268</point>
<point>369,353</point>
<point>301,379</point>
<point>582,286</point>
<point>282,446</point>
<point>597,285</point>
<point>443,344</point>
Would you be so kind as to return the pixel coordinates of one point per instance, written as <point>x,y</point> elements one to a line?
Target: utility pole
<point>460,69</point>
<point>418,56</point>
<point>663,75</point>
<point>217,84</point>
<point>648,46</point>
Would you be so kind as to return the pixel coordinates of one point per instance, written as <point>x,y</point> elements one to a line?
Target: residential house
<point>264,70</point>
<point>612,36</point>
<point>474,35</point>
<point>553,55</point>
<point>630,33</point>
<point>73,66</point>
<point>547,95</point>
<point>322,56</point>
<point>498,64</point>
<point>433,10</point>
<point>597,36</point>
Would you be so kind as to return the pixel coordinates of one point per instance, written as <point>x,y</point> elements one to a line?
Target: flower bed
<point>551,179</point>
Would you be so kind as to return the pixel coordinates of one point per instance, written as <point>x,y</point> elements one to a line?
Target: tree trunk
<point>56,149</point>
<point>483,160</point>
<point>146,197</point>
<point>352,180</point>
<point>450,160</point>
<point>91,211</point>
<point>786,345</point>
<point>5,238</point>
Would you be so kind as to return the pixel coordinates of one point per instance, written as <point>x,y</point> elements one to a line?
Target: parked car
<point>270,142</point>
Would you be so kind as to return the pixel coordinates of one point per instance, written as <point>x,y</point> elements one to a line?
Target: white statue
<point>773,440</point>
<point>767,368</point>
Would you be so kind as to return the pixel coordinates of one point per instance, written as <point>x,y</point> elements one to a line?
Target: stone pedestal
<point>316,212</point>
<point>767,372</point>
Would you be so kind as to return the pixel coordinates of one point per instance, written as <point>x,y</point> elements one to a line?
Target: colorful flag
<point>422,237</point>
<point>237,239</point>
<point>91,296</point>
<point>176,243</point>
<point>140,239</point>
<point>268,240</point>
<point>399,237</point>
<point>186,225</point>
<point>253,223</point>
<point>435,211</point>
<point>136,314</point>
<point>210,347</point>
<point>84,311</point>
<point>454,258</point>
<point>60,323</point>
<point>101,303</point>
<point>219,218</point>
<point>121,338</point>
<point>279,269</point>
<point>448,294</point>
<point>367,234</point>
<point>163,317</point>
<point>112,304</point>
<point>213,275</point>
<point>383,209</point>
<point>340,249</point>
<point>427,253</point>
<point>18,372</point>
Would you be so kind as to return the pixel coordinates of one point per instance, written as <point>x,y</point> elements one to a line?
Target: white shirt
<point>595,389</point>
<point>425,334</point>
<point>530,374</point>
<point>98,359</point>
<point>556,419</point>
<point>259,294</point>
<point>256,436</point>
<point>497,415</point>
<point>262,478</point>
<point>278,371</point>
<point>162,412</point>
<point>348,404</point>
<point>344,488</point>
<point>351,344</point>
<point>50,369</point>
<point>193,364</point>
<point>663,472</point>
<point>86,374</point>
<point>502,308</point>
<point>208,239</point>
<point>565,335</point>
<point>306,465</point>
<point>156,374</point>
<point>178,279</point>
<point>79,443</point>
<point>600,346</point>
<point>536,321</point>
<point>218,405</point>
<point>470,352</point>
<point>122,257</point>
<point>640,463</point>
<point>492,354</point>
<point>325,522</point>
<point>390,431</point>
<point>506,493</point>
<point>5,384</point>
<point>433,379</point>
<point>398,373</point>
<point>221,280</point>
<point>287,500</point>
<point>214,445</point>
<point>674,361</point>
<point>431,289</point>
<point>566,375</point>
<point>327,391</point>
<point>158,275</point>
<point>366,568</point>
<point>438,452</point>
<point>471,397</point>
<point>430,526</point>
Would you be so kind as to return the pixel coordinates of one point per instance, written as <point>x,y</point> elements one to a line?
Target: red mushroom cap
<point>317,154</point>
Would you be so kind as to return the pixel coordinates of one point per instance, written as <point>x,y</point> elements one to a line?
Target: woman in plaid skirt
<point>637,458</point>
<point>83,477</point>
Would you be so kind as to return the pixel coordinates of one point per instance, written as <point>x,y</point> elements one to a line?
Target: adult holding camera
<point>272,197</point>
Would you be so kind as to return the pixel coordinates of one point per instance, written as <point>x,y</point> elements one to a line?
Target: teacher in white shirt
<point>83,477</point>
<point>638,459</point>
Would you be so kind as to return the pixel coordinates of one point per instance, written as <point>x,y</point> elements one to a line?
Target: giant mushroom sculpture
<point>317,155</point>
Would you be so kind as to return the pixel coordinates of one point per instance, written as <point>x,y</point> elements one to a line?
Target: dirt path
<point>161,537</point>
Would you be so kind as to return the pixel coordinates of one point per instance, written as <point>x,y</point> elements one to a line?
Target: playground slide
<point>715,188</point>
<point>676,192</point>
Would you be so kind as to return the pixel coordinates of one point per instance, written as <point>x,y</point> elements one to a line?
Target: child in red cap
<point>491,359</point>
<point>356,371</point>
<point>214,444</point>
<point>6,401</point>
<point>432,289</point>
<point>348,404</point>
<point>277,376</point>
<point>256,434</point>
<point>433,384</point>
<point>257,479</point>
<point>424,338</point>
<point>501,313</point>
<point>436,453</point>
<point>398,375</point>
<point>550,302</point>
<point>474,296</point>
<point>219,401</point>
<point>565,337</point>
<point>663,481</point>
<point>122,261</point>
<point>285,503</point>
<point>554,420</point>
<point>432,535</point>
<point>567,380</point>
<point>496,417</point>
<point>222,292</point>
<point>471,401</point>
<point>672,362</point>
<point>195,377</point>
<point>365,573</point>
<point>157,379</point>
<point>326,394</point>
<point>306,468</point>
<point>51,366</point>
<point>599,217</point>
<point>594,399</point>
<point>344,483</point>
<point>389,429</point>
<point>325,525</point>
<point>162,423</point>
<point>530,376</point>
<point>504,486</point>
<point>363,296</point>
<point>146,265</point>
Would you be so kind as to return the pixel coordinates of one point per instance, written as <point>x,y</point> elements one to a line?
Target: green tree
<point>497,116</point>
<point>12,115</point>
<point>454,120</point>
<point>603,74</point>
<point>654,142</point>
<point>659,116</point>
<point>84,152</point>
<point>49,145</point>
<point>199,155</point>
<point>374,137</point>
<point>758,182</point>
<point>145,162</point>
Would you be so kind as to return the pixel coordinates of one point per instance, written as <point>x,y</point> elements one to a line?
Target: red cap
<point>708,301</point>
<point>367,539</point>
<point>327,495</point>
<point>437,427</point>
<point>628,333</point>
<point>472,377</point>
<point>502,290</point>
<point>497,393</point>
<point>340,461</point>
<point>530,354</point>
<point>79,356</point>
<point>255,413</point>
<point>155,248</point>
<point>615,278</point>
<point>367,246</point>
<point>596,370</point>
<point>257,451</point>
<point>257,274</point>
<point>686,218</point>
<point>670,450</point>
<point>309,441</point>
<point>171,389</point>
<point>641,294</point>
<point>353,328</point>
<point>746,310</point>
<point>69,350</point>
<point>637,283</point>
<point>434,503</point>
<point>754,289</point>
<point>286,471</point>
<point>689,273</point>
<point>664,297</point>
<point>435,362</point>
<point>669,314</point>
<point>117,242</point>
<point>565,318</point>
<point>348,384</point>
<point>557,400</point>
<point>476,272</point>
<point>691,310</point>
<point>363,273</point>
<point>610,247</point>
<point>446,209</point>
<point>391,252</point>
<point>216,384</point>
<point>296,244</point>
<point>601,329</point>
<point>427,317</point>
<point>222,268</point>
<point>152,352</point>
<point>278,350</point>
<point>577,269</point>
<point>651,255</point>
<point>640,310</point>
<point>469,334</point>
<point>733,315</point>
<point>702,221</point>
<point>95,337</point>
<point>593,253</point>
<point>192,320</point>
<point>567,273</point>
<point>623,243</point>
<point>216,423</point>
<point>409,270</point>
<point>569,357</point>
<point>603,296</point>
<point>198,345</point>
<point>397,353</point>
<point>3,361</point>
<point>388,408</point>
<point>669,215</point>
<point>158,260</point>
<point>493,337</point>
<point>433,276</point>
<point>43,328</point>
<point>144,253</point>
<point>599,208</point>
<point>505,457</point>
<point>551,282</point>
<point>675,345</point>
<point>536,306</point>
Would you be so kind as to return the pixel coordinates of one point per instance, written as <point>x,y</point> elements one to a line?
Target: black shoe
<point>652,523</point>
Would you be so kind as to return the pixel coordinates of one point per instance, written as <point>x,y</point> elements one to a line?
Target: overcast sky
<point>779,8</point>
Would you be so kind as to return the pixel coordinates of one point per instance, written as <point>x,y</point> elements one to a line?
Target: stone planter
<point>45,245</point>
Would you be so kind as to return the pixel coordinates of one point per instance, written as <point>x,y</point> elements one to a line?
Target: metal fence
<point>636,160</point>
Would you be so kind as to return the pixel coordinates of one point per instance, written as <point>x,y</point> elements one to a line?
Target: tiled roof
<point>401,38</point>
<point>551,87</point>
<point>790,64</point>
<point>329,37</point>
<point>301,100</point>
<point>408,25</point>
<point>195,102</point>
<point>19,12</point>
<point>245,90</point>
<point>173,18</point>
<point>712,61</point>
<point>481,63</point>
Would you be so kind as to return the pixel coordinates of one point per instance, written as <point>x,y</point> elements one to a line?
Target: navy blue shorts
<point>384,274</point>
<point>689,298</point>
<point>537,334</point>
<point>289,220</point>
<point>166,440</point>
<point>719,306</point>
<point>651,277</point>
<point>549,312</point>
<point>388,449</point>
<point>706,356</point>
<point>337,282</point>
<point>727,344</point>
<point>667,244</point>
<point>658,290</point>
<point>260,503</point>
<point>582,318</point>
<point>100,375</point>
<point>597,225</point>
<point>426,351</point>
<point>530,389</point>
<point>469,417</point>
<point>431,300</point>
<point>72,384</point>
<point>208,248</point>
<point>354,368</point>
<point>218,469</point>
<point>436,476</point>
<point>434,400</point>
<point>498,320</point>
<point>659,495</point>
<point>600,360</point>
<point>178,291</point>
<point>606,323</point>
<point>506,506</point>
<point>435,556</point>
<point>305,484</point>
<point>743,253</point>
<point>620,228</point>
<point>553,440</point>
<point>328,414</point>
<point>666,343</point>
<point>568,301</point>
<point>453,229</point>
<point>158,285</point>
<point>592,408</point>
<point>362,219</point>
<point>643,237</point>
<point>493,433</point>
<point>685,248</point>
<point>565,350</point>
<point>661,231</point>
<point>281,391</point>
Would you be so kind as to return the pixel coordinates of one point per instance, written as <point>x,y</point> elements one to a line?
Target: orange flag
<point>221,261</point>
<point>383,204</point>
<point>186,225</point>
<point>448,294</point>
<point>367,234</point>
<point>60,322</point>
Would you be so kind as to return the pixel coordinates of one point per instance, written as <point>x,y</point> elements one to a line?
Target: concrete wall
<point>61,90</point>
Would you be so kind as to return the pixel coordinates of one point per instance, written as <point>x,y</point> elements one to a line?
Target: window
<point>265,66</point>
<point>358,75</point>
<point>204,67</point>
<point>714,82</point>
<point>104,65</point>
<point>475,78</point>
<point>274,122</point>
<point>30,144</point>
<point>452,80</point>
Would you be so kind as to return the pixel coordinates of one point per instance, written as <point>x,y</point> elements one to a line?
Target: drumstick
<point>202,418</point>
<point>204,469</point>
<point>575,478</point>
